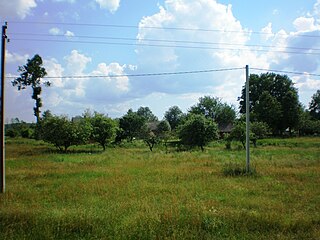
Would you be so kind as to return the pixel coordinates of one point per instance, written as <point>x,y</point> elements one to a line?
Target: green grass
<point>130,193</point>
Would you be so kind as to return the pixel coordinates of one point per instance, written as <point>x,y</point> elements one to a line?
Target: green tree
<point>131,124</point>
<point>274,100</point>
<point>63,133</point>
<point>259,130</point>
<point>314,106</point>
<point>238,133</point>
<point>198,131</point>
<point>213,108</point>
<point>146,114</point>
<point>174,116</point>
<point>103,129</point>
<point>31,75</point>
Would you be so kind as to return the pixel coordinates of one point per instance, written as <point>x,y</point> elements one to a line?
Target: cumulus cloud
<point>204,14</point>
<point>77,94</point>
<point>16,8</point>
<point>16,58</point>
<point>111,5</point>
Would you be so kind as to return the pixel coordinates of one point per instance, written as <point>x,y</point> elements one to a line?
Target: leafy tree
<point>63,133</point>
<point>238,133</point>
<point>131,124</point>
<point>198,131</point>
<point>314,106</point>
<point>259,130</point>
<point>174,116</point>
<point>274,100</point>
<point>31,75</point>
<point>103,129</point>
<point>146,114</point>
<point>213,108</point>
<point>148,134</point>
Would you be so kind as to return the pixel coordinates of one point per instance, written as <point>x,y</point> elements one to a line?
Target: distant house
<point>225,129</point>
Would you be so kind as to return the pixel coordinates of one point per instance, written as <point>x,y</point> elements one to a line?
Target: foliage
<point>238,133</point>
<point>259,130</point>
<point>174,116</point>
<point>131,125</point>
<point>146,114</point>
<point>314,106</point>
<point>19,128</point>
<point>63,133</point>
<point>213,108</point>
<point>197,131</point>
<point>31,75</point>
<point>273,100</point>
<point>103,129</point>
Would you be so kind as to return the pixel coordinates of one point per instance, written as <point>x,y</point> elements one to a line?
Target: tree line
<point>274,110</point>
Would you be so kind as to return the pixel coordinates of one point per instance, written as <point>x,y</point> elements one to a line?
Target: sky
<point>105,38</point>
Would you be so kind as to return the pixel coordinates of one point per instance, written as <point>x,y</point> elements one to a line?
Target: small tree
<point>131,125</point>
<point>259,130</point>
<point>238,133</point>
<point>104,129</point>
<point>31,75</point>
<point>198,131</point>
<point>314,106</point>
<point>174,116</point>
<point>63,133</point>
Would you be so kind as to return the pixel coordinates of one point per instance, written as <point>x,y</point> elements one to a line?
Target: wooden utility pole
<point>247,122</point>
<point>2,157</point>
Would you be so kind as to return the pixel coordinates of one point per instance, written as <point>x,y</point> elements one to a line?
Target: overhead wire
<point>161,40</point>
<point>162,45</point>
<point>141,74</point>
<point>155,27</point>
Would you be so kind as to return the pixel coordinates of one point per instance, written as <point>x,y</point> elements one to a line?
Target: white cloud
<point>77,62</point>
<point>305,24</point>
<point>267,31</point>
<point>204,14</point>
<point>69,34</point>
<point>16,8</point>
<point>110,5</point>
<point>55,31</point>
<point>16,58</point>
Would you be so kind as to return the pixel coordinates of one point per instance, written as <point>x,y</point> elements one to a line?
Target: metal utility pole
<point>247,122</point>
<point>2,156</point>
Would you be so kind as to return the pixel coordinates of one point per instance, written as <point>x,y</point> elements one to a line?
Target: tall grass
<point>130,193</point>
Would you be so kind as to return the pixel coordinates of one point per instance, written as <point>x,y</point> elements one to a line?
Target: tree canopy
<point>31,75</point>
<point>273,100</point>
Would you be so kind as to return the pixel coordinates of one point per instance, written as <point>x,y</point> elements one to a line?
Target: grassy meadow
<point>128,192</point>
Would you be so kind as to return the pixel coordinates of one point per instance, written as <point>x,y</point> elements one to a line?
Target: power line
<point>165,41</point>
<point>141,74</point>
<point>286,72</point>
<point>159,28</point>
<point>161,45</point>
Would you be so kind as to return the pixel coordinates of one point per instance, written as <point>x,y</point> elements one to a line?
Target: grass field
<point>129,192</point>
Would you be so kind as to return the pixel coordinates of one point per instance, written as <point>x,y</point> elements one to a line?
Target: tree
<point>31,75</point>
<point>274,100</point>
<point>213,108</point>
<point>238,133</point>
<point>198,131</point>
<point>63,133</point>
<point>131,124</point>
<point>146,114</point>
<point>259,130</point>
<point>103,129</point>
<point>174,116</point>
<point>314,106</point>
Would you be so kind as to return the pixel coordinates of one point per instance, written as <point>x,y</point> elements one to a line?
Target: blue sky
<point>104,51</point>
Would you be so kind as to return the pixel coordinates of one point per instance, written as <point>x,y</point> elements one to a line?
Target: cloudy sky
<point>124,37</point>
